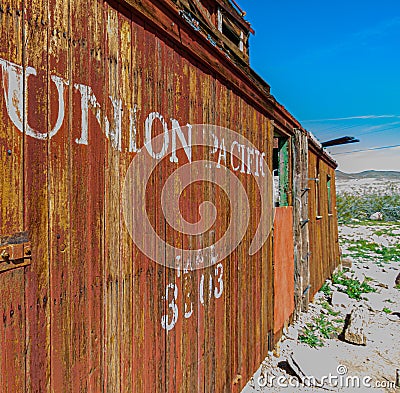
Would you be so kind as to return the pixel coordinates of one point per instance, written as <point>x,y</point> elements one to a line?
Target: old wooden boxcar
<point>86,85</point>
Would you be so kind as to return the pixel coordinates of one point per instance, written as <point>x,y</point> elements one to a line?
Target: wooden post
<point>300,217</point>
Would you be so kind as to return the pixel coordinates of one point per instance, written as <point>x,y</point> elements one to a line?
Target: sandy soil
<point>372,366</point>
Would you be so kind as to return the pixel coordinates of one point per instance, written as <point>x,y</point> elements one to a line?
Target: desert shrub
<point>310,338</point>
<point>319,329</point>
<point>326,289</point>
<point>351,286</point>
<point>361,206</point>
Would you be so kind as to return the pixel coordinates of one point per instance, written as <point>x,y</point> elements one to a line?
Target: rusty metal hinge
<point>15,251</point>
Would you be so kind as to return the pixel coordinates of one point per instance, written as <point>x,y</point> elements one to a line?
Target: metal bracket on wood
<point>306,290</point>
<point>313,179</point>
<point>307,257</point>
<point>304,222</point>
<point>15,255</point>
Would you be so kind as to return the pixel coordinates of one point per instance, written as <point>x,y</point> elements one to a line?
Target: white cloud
<point>368,117</point>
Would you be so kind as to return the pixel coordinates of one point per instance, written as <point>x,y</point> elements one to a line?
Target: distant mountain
<point>387,175</point>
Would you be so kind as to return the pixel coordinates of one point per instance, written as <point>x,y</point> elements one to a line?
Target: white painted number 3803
<point>168,321</point>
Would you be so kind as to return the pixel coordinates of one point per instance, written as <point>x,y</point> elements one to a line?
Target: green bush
<point>310,338</point>
<point>361,206</point>
<point>367,249</point>
<point>326,289</point>
<point>316,331</point>
<point>354,288</point>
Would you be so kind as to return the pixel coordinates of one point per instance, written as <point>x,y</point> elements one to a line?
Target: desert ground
<point>349,338</point>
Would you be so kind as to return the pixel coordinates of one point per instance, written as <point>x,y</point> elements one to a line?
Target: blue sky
<point>336,67</point>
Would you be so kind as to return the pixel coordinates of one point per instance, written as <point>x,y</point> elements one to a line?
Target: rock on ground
<point>355,330</point>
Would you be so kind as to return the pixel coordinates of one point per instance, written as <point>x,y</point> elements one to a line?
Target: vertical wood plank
<point>159,306</point>
<point>139,263</point>
<point>12,283</point>
<point>126,251</point>
<point>189,278</point>
<point>255,266</point>
<point>235,333</point>
<point>112,273</point>
<point>81,210</point>
<point>224,338</point>
<point>12,331</point>
<point>217,364</point>
<point>36,178</point>
<point>264,146</point>
<point>208,191</point>
<point>173,355</point>
<point>148,288</point>
<point>60,190</point>
<point>244,264</point>
<point>96,151</point>
<point>196,116</point>
<point>256,205</point>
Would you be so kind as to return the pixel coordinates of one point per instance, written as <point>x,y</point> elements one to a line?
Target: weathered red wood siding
<point>323,229</point>
<point>13,310</point>
<point>86,315</point>
<point>283,267</point>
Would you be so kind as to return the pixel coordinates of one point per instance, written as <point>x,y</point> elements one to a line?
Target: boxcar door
<point>283,235</point>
